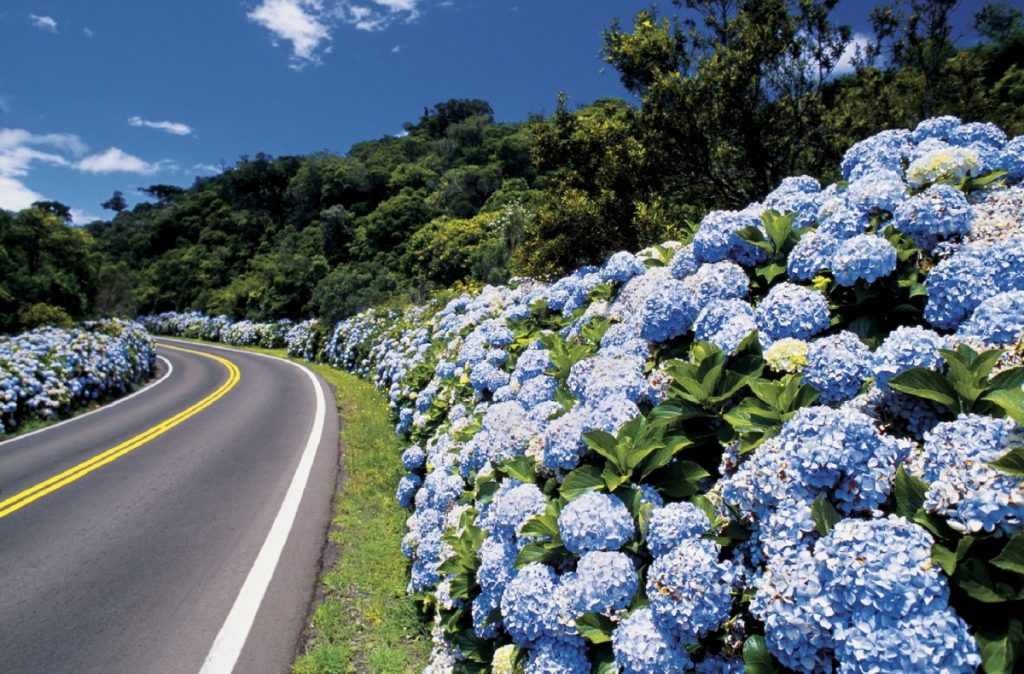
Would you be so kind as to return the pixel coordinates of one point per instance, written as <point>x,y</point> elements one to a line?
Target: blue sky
<point>109,95</point>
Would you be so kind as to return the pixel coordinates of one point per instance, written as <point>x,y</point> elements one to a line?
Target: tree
<point>115,203</point>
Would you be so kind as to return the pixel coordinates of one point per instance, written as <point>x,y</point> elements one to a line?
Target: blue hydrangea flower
<point>800,195</point>
<point>718,664</point>
<point>621,267</point>
<point>881,190</point>
<point>811,255</point>
<point>690,589</point>
<point>998,320</point>
<point>536,391</point>
<point>957,285</point>
<point>526,607</point>
<point>716,239</point>
<point>836,453</point>
<point>598,377</point>
<point>725,323</point>
<point>940,212</point>
<point>863,257</point>
<point>790,310</point>
<point>907,347</point>
<point>558,656</point>
<point>486,611</point>
<point>940,128</point>
<point>1012,159</point>
<point>511,509</point>
<point>497,564</point>
<point>963,488</point>
<point>980,135</point>
<point>879,566</point>
<point>672,524</point>
<point>595,521</point>
<point>414,458</point>
<point>605,582</point>
<point>486,376</point>
<point>717,281</point>
<point>929,641</point>
<point>407,487</point>
<point>642,646</point>
<point>683,263</point>
<point>837,365</point>
<point>885,150</point>
<point>795,611</point>
<point>668,312</point>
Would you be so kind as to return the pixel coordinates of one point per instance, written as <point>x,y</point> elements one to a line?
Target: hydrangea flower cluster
<point>49,371</point>
<point>771,475</point>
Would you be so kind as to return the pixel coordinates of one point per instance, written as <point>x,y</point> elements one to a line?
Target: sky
<point>110,95</point>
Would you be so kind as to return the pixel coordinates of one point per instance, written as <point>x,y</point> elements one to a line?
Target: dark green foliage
<point>47,269</point>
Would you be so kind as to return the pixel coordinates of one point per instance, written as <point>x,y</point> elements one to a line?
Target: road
<point>132,560</point>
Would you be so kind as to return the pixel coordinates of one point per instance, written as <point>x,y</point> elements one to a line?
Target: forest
<point>722,105</point>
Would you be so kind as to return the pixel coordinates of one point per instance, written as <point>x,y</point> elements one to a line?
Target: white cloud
<point>396,49</point>
<point>14,196</point>
<point>379,14</point>
<point>301,22</point>
<point>116,160</point>
<point>19,150</point>
<point>208,168</point>
<point>46,23</point>
<point>88,32</point>
<point>79,217</point>
<point>176,128</point>
<point>845,65</point>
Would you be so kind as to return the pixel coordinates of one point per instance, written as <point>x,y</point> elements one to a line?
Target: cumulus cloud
<point>301,22</point>
<point>19,151</point>
<point>88,32</point>
<point>176,128</point>
<point>46,23</point>
<point>845,65</point>
<point>116,160</point>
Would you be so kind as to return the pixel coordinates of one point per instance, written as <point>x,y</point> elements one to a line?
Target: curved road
<point>136,565</point>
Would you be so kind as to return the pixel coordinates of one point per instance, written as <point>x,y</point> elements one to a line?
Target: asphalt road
<point>135,566</point>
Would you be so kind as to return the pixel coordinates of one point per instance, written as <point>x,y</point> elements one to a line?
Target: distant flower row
<point>793,441</point>
<point>48,372</point>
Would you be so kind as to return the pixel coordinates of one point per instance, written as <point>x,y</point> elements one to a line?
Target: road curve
<point>135,566</point>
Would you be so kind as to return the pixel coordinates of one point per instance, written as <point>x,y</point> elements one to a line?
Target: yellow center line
<point>23,498</point>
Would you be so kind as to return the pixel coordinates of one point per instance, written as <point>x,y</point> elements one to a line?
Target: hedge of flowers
<point>303,340</point>
<point>792,443</point>
<point>48,372</point>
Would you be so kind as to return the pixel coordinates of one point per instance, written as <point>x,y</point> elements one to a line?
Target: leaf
<point>909,492</point>
<point>601,442</point>
<point>595,628</point>
<point>1012,462</point>
<point>539,552</point>
<point>926,384</point>
<point>824,515</point>
<point>1011,400</point>
<point>1012,378</point>
<point>581,480</point>
<point>706,506</point>
<point>678,480</point>
<point>1000,650</point>
<point>977,183</point>
<point>973,578</point>
<point>542,525</point>
<point>944,557</point>
<point>520,467</point>
<point>1012,556</point>
<point>756,657</point>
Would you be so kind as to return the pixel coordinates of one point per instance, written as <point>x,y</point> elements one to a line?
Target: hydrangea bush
<point>47,372</point>
<point>793,442</point>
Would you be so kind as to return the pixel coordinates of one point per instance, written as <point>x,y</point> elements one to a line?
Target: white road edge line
<point>104,408</point>
<point>227,647</point>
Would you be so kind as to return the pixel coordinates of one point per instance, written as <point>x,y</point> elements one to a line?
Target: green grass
<point>364,622</point>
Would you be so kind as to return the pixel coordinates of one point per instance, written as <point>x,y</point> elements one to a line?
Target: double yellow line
<point>36,492</point>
